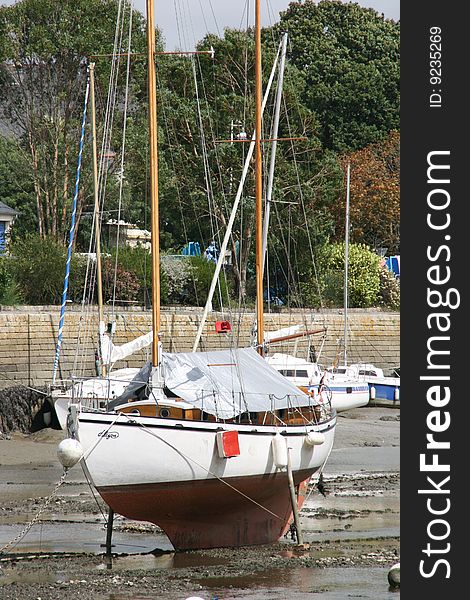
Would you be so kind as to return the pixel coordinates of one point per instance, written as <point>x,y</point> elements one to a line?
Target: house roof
<point>6,210</point>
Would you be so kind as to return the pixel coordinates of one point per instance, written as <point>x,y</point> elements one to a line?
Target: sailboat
<point>204,444</point>
<point>382,390</point>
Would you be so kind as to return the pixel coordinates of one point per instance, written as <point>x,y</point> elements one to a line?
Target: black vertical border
<point>425,129</point>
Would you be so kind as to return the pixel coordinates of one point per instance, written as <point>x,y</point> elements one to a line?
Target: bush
<point>389,289</point>
<point>119,282</point>
<point>38,269</point>
<point>188,281</point>
<point>9,291</point>
<point>363,277</point>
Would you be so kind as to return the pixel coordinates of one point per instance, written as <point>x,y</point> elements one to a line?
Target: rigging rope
<point>71,237</point>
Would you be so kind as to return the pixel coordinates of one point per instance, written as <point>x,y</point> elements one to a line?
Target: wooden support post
<point>109,531</point>
<point>293,498</point>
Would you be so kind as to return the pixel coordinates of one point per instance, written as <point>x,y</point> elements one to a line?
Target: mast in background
<point>155,230</point>
<point>346,265</point>
<point>272,163</point>
<point>99,280</point>
<point>258,186</point>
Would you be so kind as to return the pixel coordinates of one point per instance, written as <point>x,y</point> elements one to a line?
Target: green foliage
<point>189,279</point>
<point>16,185</point>
<point>9,292</point>
<point>363,277</point>
<point>38,268</point>
<point>202,272</point>
<point>389,290</point>
<point>349,58</point>
<point>341,92</point>
<point>44,51</point>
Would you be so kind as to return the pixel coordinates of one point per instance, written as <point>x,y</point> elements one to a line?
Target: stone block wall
<point>28,337</point>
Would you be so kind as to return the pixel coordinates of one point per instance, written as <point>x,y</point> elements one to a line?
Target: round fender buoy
<point>394,576</point>
<point>69,452</point>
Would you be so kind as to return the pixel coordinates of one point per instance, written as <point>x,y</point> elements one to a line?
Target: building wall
<point>28,338</point>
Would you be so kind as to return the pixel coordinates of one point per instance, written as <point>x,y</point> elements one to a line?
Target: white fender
<point>279,446</point>
<point>396,394</point>
<point>314,438</point>
<point>372,392</point>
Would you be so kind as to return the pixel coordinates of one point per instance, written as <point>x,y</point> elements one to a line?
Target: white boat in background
<point>343,393</point>
<point>383,390</point>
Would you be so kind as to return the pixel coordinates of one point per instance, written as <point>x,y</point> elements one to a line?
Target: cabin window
<point>164,412</point>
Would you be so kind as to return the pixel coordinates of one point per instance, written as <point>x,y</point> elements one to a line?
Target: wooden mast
<point>152,102</point>
<point>258,185</point>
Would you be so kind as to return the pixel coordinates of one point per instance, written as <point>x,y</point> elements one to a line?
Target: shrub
<point>38,268</point>
<point>363,277</point>
<point>119,282</point>
<point>188,281</point>
<point>389,289</point>
<point>9,291</point>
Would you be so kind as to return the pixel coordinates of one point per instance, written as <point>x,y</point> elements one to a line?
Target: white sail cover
<point>226,383</point>
<point>270,335</point>
<point>112,353</point>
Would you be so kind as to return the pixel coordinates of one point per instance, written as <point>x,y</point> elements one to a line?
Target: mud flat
<point>351,532</point>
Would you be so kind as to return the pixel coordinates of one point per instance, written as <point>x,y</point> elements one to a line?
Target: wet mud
<point>350,527</point>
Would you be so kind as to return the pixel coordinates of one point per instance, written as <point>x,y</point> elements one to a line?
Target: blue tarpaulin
<point>393,264</point>
<point>191,249</point>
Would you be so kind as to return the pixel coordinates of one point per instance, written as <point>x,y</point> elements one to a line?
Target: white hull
<point>152,450</point>
<point>171,473</point>
<point>346,392</point>
<point>347,395</point>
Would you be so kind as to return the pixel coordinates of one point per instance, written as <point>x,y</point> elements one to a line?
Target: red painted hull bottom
<point>211,514</point>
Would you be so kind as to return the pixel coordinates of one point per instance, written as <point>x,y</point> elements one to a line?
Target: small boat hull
<point>385,392</point>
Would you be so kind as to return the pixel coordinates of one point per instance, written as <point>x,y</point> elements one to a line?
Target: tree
<point>349,58</point>
<point>16,185</point>
<point>375,195</point>
<point>44,49</point>
<point>201,169</point>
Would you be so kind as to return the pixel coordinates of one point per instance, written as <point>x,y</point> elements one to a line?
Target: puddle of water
<point>150,562</point>
<point>81,537</point>
<point>367,583</point>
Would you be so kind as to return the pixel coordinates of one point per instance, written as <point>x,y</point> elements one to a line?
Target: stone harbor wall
<point>28,337</point>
